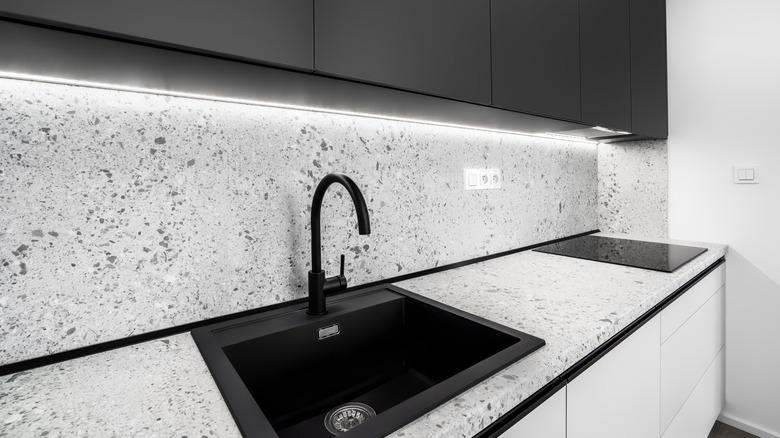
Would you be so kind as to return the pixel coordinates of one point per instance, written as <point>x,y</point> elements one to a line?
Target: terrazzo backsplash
<point>123,213</point>
<point>633,180</point>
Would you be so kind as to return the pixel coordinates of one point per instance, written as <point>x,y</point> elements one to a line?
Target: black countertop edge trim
<point>63,356</point>
<point>506,421</point>
<point>525,407</point>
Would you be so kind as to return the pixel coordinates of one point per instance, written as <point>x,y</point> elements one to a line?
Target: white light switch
<point>746,174</point>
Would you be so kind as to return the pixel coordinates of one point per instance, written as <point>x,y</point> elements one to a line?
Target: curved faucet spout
<point>318,284</point>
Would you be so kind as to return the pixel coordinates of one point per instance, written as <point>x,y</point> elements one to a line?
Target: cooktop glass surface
<point>647,255</point>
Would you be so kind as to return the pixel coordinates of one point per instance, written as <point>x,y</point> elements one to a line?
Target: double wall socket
<point>481,179</point>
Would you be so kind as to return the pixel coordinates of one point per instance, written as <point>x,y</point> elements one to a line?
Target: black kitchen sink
<point>378,359</point>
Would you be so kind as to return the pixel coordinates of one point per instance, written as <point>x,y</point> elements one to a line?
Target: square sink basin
<point>380,358</point>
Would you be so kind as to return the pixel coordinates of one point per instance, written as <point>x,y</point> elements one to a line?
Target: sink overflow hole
<point>345,417</point>
<point>326,332</point>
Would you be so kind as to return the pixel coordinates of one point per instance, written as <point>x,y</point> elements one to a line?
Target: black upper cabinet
<point>598,62</point>
<point>438,47</point>
<point>277,32</point>
<point>606,63</point>
<point>536,58</point>
<point>595,62</point>
<point>648,68</point>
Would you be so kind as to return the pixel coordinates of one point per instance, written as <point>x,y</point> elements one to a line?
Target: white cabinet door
<point>548,420</point>
<point>702,408</point>
<point>619,395</point>
<point>687,355</point>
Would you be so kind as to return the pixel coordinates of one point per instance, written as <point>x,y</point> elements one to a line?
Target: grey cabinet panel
<point>606,63</point>
<point>648,68</point>
<point>278,32</point>
<point>536,59</point>
<point>438,47</point>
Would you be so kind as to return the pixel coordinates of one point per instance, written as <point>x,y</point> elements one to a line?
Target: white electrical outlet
<point>495,178</point>
<point>481,179</point>
<point>484,179</point>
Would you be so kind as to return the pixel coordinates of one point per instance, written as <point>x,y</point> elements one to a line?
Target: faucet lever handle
<point>337,282</point>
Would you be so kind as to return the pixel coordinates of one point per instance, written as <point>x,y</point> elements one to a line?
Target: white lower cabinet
<point>619,395</point>
<point>665,380</point>
<point>690,359</point>
<point>548,420</point>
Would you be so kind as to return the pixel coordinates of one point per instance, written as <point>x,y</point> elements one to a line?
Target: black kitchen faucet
<point>318,284</point>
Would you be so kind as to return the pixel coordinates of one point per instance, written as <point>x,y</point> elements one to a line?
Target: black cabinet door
<point>536,59</point>
<point>278,32</point>
<point>649,99</point>
<point>606,63</point>
<point>438,47</point>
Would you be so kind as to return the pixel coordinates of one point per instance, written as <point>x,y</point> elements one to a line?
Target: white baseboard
<point>746,426</point>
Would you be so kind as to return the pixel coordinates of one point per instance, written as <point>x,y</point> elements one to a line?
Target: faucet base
<point>317,293</point>
<point>318,286</point>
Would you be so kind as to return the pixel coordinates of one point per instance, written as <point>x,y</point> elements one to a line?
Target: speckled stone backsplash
<point>633,180</point>
<point>123,213</point>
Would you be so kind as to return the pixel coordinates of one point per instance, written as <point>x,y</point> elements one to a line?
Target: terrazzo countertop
<point>163,388</point>
<point>160,388</point>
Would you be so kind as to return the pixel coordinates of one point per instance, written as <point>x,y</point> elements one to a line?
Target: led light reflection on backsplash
<point>48,79</point>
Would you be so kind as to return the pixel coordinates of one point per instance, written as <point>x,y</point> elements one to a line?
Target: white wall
<point>724,110</point>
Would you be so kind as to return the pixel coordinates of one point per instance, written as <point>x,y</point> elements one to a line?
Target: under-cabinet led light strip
<point>600,128</point>
<point>566,137</point>
<point>117,87</point>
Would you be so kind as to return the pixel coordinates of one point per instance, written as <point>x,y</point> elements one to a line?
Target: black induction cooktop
<point>662,257</point>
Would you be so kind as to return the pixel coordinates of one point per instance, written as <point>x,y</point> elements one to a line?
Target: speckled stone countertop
<point>163,388</point>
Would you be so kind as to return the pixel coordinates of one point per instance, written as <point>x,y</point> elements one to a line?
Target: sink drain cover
<point>343,418</point>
